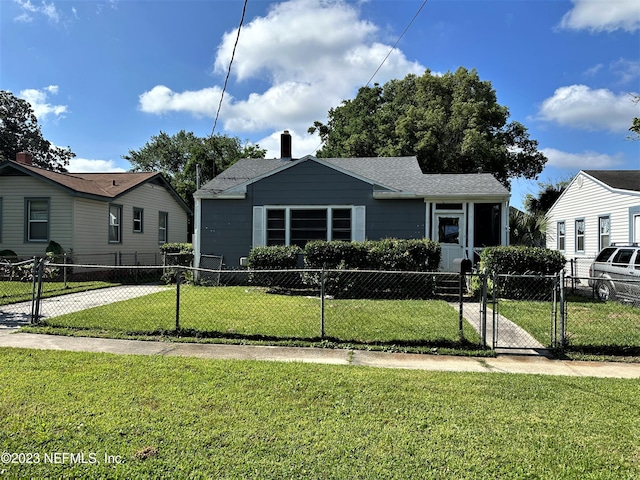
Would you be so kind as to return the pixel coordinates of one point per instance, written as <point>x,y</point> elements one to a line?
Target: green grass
<point>13,292</point>
<point>247,313</point>
<point>603,330</point>
<point>166,417</point>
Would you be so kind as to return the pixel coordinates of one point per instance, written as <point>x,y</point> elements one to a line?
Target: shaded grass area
<point>166,417</point>
<point>595,330</point>
<point>13,292</point>
<point>250,314</point>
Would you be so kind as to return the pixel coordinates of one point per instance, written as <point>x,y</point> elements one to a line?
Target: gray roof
<point>397,174</point>
<point>620,179</point>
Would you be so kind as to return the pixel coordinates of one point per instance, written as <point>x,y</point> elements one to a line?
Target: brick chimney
<point>25,158</point>
<point>285,145</point>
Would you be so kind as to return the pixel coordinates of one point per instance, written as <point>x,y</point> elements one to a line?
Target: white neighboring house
<point>597,209</point>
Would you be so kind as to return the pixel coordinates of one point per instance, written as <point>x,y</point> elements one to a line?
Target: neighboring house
<point>87,213</point>
<point>287,201</point>
<point>598,208</point>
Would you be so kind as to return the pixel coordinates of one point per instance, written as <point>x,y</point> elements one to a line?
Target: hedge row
<point>389,254</point>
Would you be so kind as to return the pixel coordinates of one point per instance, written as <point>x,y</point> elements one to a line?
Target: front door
<point>450,232</point>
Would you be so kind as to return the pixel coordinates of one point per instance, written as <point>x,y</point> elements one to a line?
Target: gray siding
<point>227,224</point>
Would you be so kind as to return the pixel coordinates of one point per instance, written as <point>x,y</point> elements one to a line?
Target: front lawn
<point>13,292</point>
<point>160,417</point>
<point>251,313</point>
<point>592,327</point>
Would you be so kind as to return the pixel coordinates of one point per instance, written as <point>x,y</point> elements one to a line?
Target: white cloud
<point>560,159</point>
<point>161,99</point>
<point>598,16</point>
<point>582,107</point>
<point>49,10</point>
<point>83,165</point>
<point>626,70</point>
<point>301,145</point>
<point>38,101</point>
<point>312,53</point>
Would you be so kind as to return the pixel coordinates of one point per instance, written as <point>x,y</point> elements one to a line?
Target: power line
<point>233,53</point>
<point>388,54</point>
<point>397,41</point>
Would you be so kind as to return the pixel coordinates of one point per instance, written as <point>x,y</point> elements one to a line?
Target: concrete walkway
<point>11,337</point>
<point>508,335</point>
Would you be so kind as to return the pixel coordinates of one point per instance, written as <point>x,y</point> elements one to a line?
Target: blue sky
<point>103,77</point>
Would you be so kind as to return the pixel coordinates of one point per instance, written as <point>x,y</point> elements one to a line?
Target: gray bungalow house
<point>288,201</point>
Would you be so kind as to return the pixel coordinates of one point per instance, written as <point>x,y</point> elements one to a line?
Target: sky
<point>103,77</point>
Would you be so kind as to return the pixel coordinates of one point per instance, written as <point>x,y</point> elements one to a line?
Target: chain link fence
<point>416,311</point>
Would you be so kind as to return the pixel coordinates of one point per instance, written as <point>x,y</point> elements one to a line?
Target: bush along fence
<point>375,309</point>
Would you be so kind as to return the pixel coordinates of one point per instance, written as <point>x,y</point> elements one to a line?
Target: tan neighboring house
<point>87,213</point>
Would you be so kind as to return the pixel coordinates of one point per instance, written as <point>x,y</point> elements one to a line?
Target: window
<point>623,257</point>
<point>580,235</point>
<point>37,216</point>
<point>605,232</point>
<point>137,220</point>
<point>297,226</point>
<point>163,225</point>
<point>562,235</point>
<point>115,222</point>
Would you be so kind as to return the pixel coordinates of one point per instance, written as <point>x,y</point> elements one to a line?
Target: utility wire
<point>233,53</point>
<point>388,54</point>
<point>397,41</point>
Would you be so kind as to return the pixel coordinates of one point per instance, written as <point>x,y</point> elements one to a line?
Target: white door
<point>450,233</point>
<point>636,229</point>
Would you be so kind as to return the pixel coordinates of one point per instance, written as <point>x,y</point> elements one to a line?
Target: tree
<point>20,132</point>
<point>635,124</point>
<point>177,157</point>
<point>452,123</point>
<point>529,227</point>
<point>548,193</point>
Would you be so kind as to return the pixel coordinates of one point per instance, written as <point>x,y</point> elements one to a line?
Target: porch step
<point>447,285</point>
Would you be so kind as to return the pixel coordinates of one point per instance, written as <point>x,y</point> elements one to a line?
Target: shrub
<point>177,254</point>
<point>389,254</point>
<point>277,257</point>
<point>518,263</point>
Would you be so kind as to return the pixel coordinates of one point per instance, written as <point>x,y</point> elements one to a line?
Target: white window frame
<point>577,235</point>
<point>561,243</point>
<point>601,244</point>
<point>358,221</point>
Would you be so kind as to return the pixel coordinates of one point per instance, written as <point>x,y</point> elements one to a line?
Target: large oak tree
<point>452,123</point>
<point>20,132</point>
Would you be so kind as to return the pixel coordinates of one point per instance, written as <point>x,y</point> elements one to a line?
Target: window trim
<point>576,236</point>
<point>27,219</point>
<point>164,215</point>
<point>109,224</point>
<point>600,235</point>
<point>141,211</point>
<point>260,226</point>
<point>561,236</point>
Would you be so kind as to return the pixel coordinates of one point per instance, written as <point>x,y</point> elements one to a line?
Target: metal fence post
<point>460,315</point>
<point>322,279</point>
<point>178,281</point>
<point>562,311</point>
<point>64,269</point>
<point>35,306</point>
<point>483,308</point>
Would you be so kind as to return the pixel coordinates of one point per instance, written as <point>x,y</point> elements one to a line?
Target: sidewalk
<point>10,337</point>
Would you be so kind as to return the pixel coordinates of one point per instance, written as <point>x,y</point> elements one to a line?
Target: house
<point>86,213</point>
<point>287,201</point>
<point>598,208</point>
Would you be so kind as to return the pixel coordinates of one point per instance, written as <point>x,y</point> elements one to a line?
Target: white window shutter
<point>359,224</point>
<point>258,227</point>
